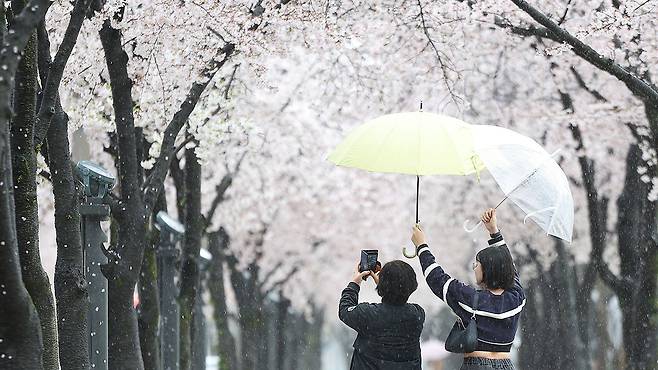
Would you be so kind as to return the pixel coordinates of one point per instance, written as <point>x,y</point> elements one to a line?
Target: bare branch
<point>564,15</point>
<point>161,165</point>
<point>283,280</point>
<point>444,67</point>
<point>531,30</point>
<point>584,86</point>
<point>220,190</point>
<point>56,71</point>
<point>230,81</point>
<point>182,145</point>
<point>12,48</point>
<point>637,86</point>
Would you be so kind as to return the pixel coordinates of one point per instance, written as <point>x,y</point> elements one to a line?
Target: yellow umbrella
<point>414,143</point>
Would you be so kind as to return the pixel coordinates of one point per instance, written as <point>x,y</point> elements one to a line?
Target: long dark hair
<point>397,281</point>
<point>497,267</point>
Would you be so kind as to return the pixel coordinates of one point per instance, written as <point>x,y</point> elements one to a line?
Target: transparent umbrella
<point>529,176</point>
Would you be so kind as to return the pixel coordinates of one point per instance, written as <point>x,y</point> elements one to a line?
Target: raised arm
<point>441,284</point>
<point>353,314</point>
<point>497,240</point>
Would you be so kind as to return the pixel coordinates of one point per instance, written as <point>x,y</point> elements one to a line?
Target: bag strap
<point>475,304</point>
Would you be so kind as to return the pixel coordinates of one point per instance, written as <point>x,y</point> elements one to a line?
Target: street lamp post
<point>171,232</point>
<point>97,182</point>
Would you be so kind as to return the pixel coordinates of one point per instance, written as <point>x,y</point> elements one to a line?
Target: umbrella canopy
<point>420,143</point>
<point>414,143</point>
<point>529,176</point>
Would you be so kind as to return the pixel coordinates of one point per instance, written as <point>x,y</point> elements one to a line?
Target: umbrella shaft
<point>417,192</point>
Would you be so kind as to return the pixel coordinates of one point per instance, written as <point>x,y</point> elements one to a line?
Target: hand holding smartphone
<point>369,261</point>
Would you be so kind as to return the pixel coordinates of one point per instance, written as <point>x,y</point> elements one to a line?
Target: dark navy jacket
<point>388,336</point>
<point>497,316</point>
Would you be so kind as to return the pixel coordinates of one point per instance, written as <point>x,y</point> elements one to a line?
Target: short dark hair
<point>397,281</point>
<point>497,267</point>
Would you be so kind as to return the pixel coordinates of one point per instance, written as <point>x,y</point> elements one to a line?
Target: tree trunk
<point>563,293</point>
<point>217,242</point>
<point>190,268</point>
<point>148,315</point>
<point>637,292</point>
<point>149,311</point>
<point>199,331</point>
<point>25,197</point>
<point>252,324</point>
<point>281,322</point>
<point>20,329</point>
<point>532,329</point>
<point>125,260</point>
<point>70,283</point>
<point>250,315</point>
<point>312,358</point>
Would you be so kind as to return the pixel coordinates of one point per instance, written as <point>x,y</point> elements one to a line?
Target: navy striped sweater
<point>497,316</point>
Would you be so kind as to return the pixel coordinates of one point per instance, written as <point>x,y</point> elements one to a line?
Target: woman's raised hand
<point>489,220</point>
<point>358,276</point>
<point>418,236</point>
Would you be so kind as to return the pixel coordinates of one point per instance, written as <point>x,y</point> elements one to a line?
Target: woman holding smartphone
<point>499,301</point>
<point>388,333</point>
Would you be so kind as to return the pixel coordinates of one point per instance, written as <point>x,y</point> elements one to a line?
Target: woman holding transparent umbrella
<point>496,307</point>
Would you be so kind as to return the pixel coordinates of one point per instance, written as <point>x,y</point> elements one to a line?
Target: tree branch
<point>221,189</point>
<point>638,87</point>
<point>13,45</point>
<point>282,281</point>
<point>443,66</point>
<point>230,81</point>
<point>159,171</point>
<point>56,71</point>
<point>566,11</point>
<point>584,86</point>
<point>531,30</point>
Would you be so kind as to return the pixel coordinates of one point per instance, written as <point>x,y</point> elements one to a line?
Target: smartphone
<point>368,260</point>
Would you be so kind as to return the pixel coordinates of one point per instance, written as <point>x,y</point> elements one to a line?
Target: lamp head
<point>96,180</point>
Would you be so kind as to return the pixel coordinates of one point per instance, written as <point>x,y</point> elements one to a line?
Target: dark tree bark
<point>50,102</point>
<point>25,197</point>
<point>310,337</point>
<point>283,306</point>
<point>192,244</point>
<point>639,87</point>
<point>178,176</point>
<point>125,261</point>
<point>149,311</point>
<point>218,242</point>
<point>251,290</point>
<point>149,306</point>
<point>20,329</point>
<point>532,329</point>
<point>637,292</point>
<point>561,294</point>
<point>70,284</point>
<point>634,302</point>
<point>250,299</point>
<point>125,258</point>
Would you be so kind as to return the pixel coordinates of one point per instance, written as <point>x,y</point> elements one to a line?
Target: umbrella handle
<point>408,255</point>
<point>470,230</point>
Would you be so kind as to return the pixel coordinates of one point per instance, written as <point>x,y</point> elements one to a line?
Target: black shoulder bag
<point>463,339</point>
